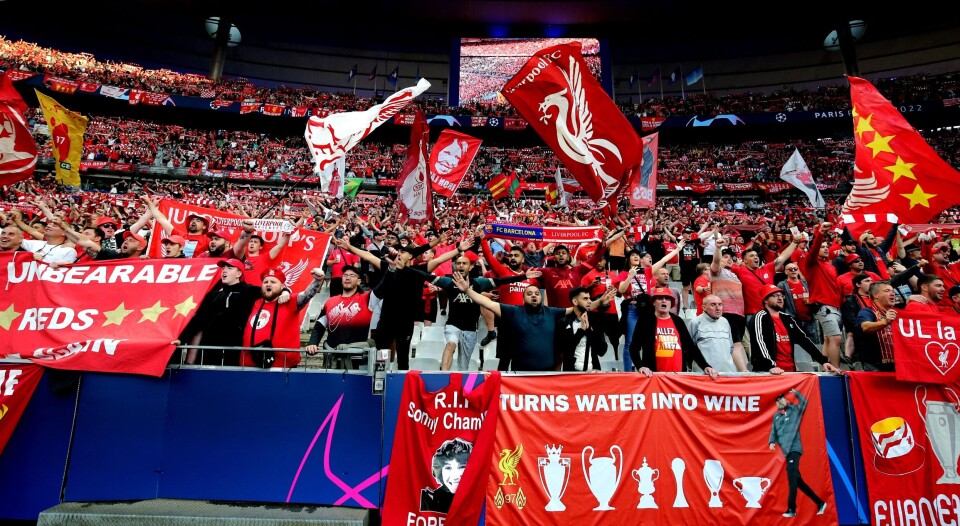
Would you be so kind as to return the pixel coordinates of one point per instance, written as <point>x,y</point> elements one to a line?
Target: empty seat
<point>424,364</point>
<point>611,365</point>
<point>430,349</point>
<point>491,364</point>
<point>432,333</point>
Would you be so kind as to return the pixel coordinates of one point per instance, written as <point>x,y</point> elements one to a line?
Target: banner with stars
<point>115,316</point>
<point>895,170</point>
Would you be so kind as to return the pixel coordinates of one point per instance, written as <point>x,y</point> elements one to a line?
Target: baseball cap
<point>850,241</point>
<point>911,247</point>
<point>177,240</point>
<point>274,273</point>
<point>851,258</point>
<point>138,237</point>
<point>940,246</point>
<point>662,292</point>
<point>767,290</point>
<point>954,290</point>
<point>218,233</point>
<point>728,252</point>
<point>106,221</point>
<point>200,217</point>
<point>231,262</point>
<point>430,233</point>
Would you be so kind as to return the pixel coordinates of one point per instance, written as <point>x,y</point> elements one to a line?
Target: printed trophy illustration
<point>713,475</point>
<point>554,476</point>
<point>603,476</point>
<point>942,422</point>
<point>752,488</point>
<point>645,477</point>
<point>679,466</point>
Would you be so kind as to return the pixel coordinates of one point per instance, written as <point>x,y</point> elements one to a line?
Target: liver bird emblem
<point>866,191</point>
<point>574,125</point>
<point>509,460</point>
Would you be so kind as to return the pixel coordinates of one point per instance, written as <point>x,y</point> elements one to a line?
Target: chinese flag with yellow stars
<point>896,171</point>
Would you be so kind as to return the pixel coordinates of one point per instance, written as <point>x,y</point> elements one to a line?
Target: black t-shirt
<point>463,313</point>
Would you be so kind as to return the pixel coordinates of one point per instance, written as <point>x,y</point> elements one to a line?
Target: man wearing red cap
<point>173,247</point>
<point>220,319</point>
<point>194,237</point>
<point>276,326</point>
<point>220,245</point>
<point>856,267</point>
<point>773,334</point>
<point>661,343</point>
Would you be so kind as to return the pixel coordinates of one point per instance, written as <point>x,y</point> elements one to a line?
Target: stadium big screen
<point>486,64</point>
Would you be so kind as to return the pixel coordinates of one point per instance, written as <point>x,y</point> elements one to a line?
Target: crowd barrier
<point>310,437</point>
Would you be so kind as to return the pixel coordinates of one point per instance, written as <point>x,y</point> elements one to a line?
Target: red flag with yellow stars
<point>896,171</point>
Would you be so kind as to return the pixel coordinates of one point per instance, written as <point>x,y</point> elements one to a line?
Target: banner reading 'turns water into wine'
<point>910,438</point>
<point>672,449</point>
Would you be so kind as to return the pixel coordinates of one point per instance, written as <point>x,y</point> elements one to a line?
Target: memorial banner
<point>672,449</point>
<point>114,316</point>
<point>17,383</point>
<point>925,347</point>
<point>910,438</point>
<point>304,251</point>
<point>547,234</point>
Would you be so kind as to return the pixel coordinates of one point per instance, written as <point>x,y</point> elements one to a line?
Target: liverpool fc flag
<point>895,171</point>
<point>556,93</point>
<point>66,132</point>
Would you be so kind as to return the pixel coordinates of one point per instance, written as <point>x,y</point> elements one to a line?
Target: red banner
<point>925,348</point>
<point>555,92</point>
<point>304,251</point>
<point>910,438</point>
<point>148,97</point>
<point>697,188</point>
<point>643,184</point>
<point>114,316</point>
<point>672,449</point>
<point>17,383</point>
<point>61,85</point>
<point>651,123</point>
<point>773,188</point>
<point>18,151</point>
<point>249,107</point>
<point>450,159</point>
<point>274,110</point>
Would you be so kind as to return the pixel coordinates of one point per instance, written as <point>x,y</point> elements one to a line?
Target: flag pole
<point>682,81</point>
<point>639,86</point>
<point>661,82</point>
<point>703,80</point>
<point>355,85</point>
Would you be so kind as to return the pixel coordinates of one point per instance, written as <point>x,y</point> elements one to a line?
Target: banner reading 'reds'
<point>625,449</point>
<point>910,438</point>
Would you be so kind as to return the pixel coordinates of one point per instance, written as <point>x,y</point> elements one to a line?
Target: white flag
<point>561,193</point>
<point>333,136</point>
<point>795,172</point>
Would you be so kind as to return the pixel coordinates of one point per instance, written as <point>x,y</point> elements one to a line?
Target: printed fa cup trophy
<point>645,477</point>
<point>942,422</point>
<point>603,477</point>
<point>554,476</point>
<point>678,466</point>
<point>713,476</point>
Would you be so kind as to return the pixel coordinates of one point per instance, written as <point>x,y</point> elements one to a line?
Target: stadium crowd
<point>715,284</point>
<point>721,284</point>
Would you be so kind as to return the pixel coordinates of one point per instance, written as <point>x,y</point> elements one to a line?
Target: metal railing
<point>326,358</point>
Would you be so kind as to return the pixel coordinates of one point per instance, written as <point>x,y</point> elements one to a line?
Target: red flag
<point>114,316</point>
<point>908,437</point>
<point>304,251</point>
<point>925,348</point>
<point>414,191</point>
<point>17,383</point>
<point>896,170</point>
<point>18,151</point>
<point>450,159</point>
<point>643,184</point>
<point>568,108</point>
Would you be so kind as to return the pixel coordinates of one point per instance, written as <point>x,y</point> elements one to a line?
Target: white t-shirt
<point>51,253</point>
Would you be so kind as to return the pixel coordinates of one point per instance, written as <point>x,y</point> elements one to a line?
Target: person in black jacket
<point>579,338</point>
<point>773,335</point>
<point>661,343</point>
<point>220,319</point>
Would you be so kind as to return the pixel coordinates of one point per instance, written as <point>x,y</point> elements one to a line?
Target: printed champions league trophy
<point>603,477</point>
<point>942,423</point>
<point>554,476</point>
